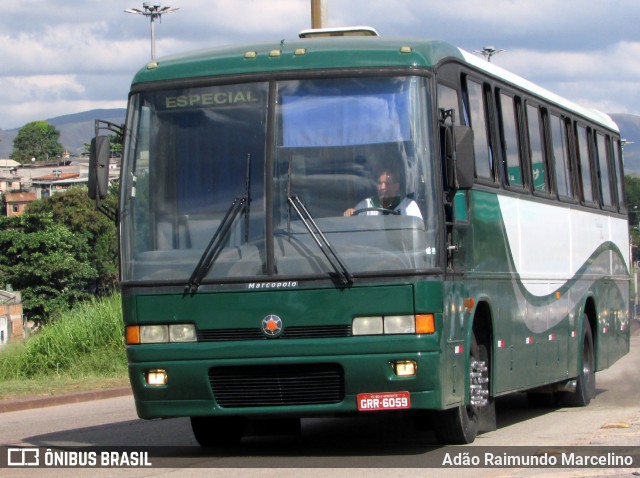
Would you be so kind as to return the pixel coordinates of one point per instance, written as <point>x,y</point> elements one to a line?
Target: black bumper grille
<point>279,385</point>
<point>299,332</point>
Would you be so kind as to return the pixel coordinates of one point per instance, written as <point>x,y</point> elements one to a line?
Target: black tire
<point>460,425</point>
<point>218,432</point>
<point>586,386</point>
<point>457,426</point>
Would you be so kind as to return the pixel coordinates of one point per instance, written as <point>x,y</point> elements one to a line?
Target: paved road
<point>385,442</point>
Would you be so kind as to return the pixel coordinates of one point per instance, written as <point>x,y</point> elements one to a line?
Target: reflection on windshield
<point>356,153</point>
<point>358,145</point>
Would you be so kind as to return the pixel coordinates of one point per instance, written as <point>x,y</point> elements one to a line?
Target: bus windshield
<point>276,173</point>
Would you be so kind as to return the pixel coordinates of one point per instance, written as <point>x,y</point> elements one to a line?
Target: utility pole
<point>318,14</point>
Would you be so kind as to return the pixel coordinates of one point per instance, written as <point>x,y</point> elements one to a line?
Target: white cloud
<point>86,52</point>
<point>41,88</point>
<point>27,112</point>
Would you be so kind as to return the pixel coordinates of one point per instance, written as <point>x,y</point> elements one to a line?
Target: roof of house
<point>56,176</point>
<point>9,163</point>
<point>20,197</point>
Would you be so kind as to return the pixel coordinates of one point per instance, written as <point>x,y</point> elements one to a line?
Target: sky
<point>60,57</point>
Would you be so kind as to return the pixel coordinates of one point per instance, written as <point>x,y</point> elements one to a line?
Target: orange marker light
<point>133,334</point>
<point>425,324</point>
<point>469,303</point>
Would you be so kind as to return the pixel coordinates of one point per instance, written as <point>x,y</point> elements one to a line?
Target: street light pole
<point>488,52</point>
<point>152,10</point>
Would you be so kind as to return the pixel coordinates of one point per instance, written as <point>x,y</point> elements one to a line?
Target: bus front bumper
<point>362,383</point>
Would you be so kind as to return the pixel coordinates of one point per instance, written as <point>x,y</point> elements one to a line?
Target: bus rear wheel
<point>217,432</point>
<point>586,384</point>
<point>460,425</point>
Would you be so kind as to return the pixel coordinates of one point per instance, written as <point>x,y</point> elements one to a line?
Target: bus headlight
<point>154,334</point>
<point>400,324</point>
<point>367,326</point>
<point>159,334</point>
<point>393,325</point>
<point>182,333</point>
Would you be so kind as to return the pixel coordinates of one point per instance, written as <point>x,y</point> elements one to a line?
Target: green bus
<point>344,225</point>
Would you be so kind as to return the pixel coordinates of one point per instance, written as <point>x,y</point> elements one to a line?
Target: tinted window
<point>509,140</point>
<point>617,164</point>
<point>603,169</point>
<point>560,157</point>
<point>448,99</point>
<point>476,112</point>
<point>536,152</point>
<point>583,164</point>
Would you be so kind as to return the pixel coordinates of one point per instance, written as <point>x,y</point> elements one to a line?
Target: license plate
<point>371,402</point>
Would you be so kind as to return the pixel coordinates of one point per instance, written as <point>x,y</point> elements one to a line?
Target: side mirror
<point>460,159</point>
<point>464,157</point>
<point>99,167</point>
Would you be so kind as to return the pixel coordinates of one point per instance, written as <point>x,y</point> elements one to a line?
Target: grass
<point>81,350</point>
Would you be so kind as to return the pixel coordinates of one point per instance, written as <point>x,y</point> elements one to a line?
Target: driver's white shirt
<point>406,207</point>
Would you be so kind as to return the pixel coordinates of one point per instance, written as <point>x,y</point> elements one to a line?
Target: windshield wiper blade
<point>343,273</point>
<point>215,244</point>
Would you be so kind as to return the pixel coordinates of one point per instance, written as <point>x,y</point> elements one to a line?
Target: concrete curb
<point>53,400</point>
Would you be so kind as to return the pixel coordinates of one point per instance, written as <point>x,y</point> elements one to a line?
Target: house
<point>57,181</point>
<point>11,318</point>
<point>23,183</point>
<point>9,180</point>
<point>17,201</point>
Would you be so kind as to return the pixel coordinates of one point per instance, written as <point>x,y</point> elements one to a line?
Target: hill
<point>78,129</point>
<point>75,129</point>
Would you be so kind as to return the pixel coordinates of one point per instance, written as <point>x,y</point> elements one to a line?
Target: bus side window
<point>619,172</point>
<point>476,113</point>
<point>604,175</point>
<point>509,141</point>
<point>448,99</point>
<point>584,167</point>
<point>561,162</point>
<point>539,171</point>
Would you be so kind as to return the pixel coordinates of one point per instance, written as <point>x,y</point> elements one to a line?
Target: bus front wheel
<point>460,425</point>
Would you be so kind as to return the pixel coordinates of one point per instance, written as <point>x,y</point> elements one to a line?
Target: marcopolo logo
<point>272,326</point>
<point>272,285</point>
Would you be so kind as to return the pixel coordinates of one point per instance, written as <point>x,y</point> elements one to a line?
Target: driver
<point>387,201</point>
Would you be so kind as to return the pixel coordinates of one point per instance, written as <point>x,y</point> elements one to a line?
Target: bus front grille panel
<point>277,385</point>
<point>294,332</point>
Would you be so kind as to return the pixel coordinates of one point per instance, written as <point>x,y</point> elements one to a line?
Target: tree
<point>96,234</point>
<point>632,193</point>
<point>37,139</point>
<point>40,258</point>
<point>115,146</point>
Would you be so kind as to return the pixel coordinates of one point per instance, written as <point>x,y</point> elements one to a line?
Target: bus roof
<point>338,52</point>
<point>527,85</point>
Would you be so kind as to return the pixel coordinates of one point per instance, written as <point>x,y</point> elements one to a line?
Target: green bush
<point>88,340</point>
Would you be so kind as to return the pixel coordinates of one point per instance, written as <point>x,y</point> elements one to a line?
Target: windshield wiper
<point>240,203</point>
<point>344,275</point>
<point>215,244</point>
